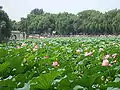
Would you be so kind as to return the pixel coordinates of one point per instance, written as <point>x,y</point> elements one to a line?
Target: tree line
<point>87,22</point>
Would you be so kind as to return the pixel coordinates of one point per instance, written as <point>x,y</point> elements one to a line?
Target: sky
<point>20,8</point>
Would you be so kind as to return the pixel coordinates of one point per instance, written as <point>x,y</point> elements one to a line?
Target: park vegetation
<point>87,22</point>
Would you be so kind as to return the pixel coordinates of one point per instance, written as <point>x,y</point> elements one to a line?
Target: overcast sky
<point>20,8</point>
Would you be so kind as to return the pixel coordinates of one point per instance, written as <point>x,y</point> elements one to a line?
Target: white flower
<point>101,49</point>
<point>78,51</point>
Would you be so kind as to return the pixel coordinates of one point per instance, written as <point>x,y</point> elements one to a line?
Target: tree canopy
<point>88,22</point>
<point>5,26</point>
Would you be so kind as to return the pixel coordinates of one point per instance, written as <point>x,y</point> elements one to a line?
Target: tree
<point>88,22</point>
<point>1,7</point>
<point>15,25</point>
<point>5,26</point>
<point>64,23</point>
<point>37,11</point>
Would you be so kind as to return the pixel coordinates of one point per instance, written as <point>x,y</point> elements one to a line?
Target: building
<point>17,35</point>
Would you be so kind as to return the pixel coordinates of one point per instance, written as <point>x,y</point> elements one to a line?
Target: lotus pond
<point>61,64</point>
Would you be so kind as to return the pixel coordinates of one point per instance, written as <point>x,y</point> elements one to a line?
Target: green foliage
<point>5,26</point>
<point>37,11</point>
<point>88,22</point>
<point>60,64</point>
<point>45,80</point>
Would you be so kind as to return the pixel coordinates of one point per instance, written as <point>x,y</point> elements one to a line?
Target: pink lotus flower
<point>23,44</point>
<point>36,47</point>
<point>88,53</point>
<point>18,47</point>
<point>86,49</point>
<point>46,56</point>
<point>110,65</point>
<point>107,56</point>
<point>105,62</point>
<point>114,55</point>
<point>55,64</point>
